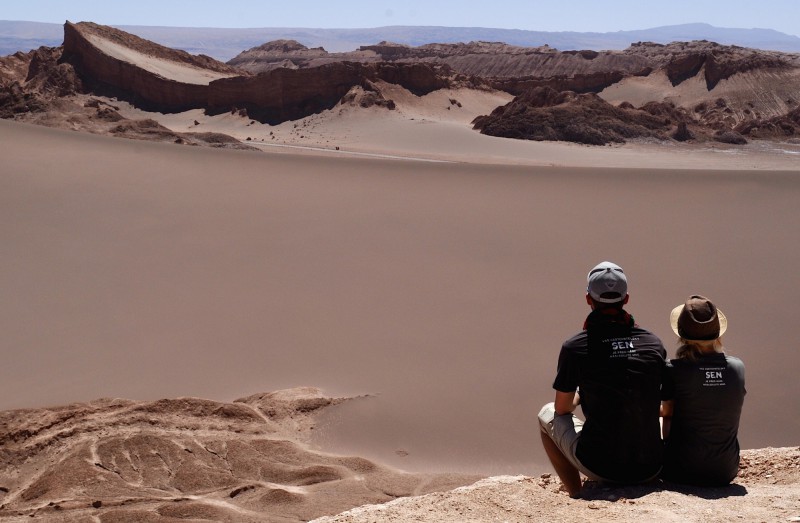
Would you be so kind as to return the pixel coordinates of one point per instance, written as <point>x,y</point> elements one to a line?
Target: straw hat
<point>698,320</point>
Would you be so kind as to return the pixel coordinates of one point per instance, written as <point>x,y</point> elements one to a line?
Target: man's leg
<point>569,475</point>
<point>565,429</point>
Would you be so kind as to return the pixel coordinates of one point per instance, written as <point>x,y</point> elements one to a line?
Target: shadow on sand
<point>593,490</point>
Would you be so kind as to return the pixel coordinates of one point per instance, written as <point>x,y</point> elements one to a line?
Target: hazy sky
<point>571,15</point>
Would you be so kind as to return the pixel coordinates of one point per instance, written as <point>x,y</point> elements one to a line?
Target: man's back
<point>618,369</point>
<point>614,370</point>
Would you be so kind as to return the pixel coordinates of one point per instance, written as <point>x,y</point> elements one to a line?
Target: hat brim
<point>676,312</point>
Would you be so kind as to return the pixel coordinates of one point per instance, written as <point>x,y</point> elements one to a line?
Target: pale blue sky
<point>570,15</point>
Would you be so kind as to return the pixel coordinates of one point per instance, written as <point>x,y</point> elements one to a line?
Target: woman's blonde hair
<point>693,349</point>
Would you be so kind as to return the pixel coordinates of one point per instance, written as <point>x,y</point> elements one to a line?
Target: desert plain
<point>435,293</point>
<point>421,273</point>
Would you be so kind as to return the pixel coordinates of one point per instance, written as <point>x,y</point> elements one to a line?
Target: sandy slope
<point>739,90</point>
<point>433,127</point>
<point>165,68</point>
<point>442,289</point>
<point>147,270</point>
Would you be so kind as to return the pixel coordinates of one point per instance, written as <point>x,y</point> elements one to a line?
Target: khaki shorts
<point>564,430</point>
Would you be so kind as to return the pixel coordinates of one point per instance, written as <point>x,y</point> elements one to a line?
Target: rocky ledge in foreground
<point>187,459</point>
<point>767,489</point>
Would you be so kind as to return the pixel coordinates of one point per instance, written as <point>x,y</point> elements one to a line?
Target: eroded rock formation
<point>546,114</point>
<point>684,60</point>
<point>706,88</point>
<point>122,460</point>
<point>160,79</point>
<point>285,94</point>
<point>153,76</point>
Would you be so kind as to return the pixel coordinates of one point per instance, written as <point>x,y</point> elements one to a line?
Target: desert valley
<point>307,284</point>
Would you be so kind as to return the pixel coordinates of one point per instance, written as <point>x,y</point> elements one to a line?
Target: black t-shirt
<point>618,368</point>
<point>708,393</point>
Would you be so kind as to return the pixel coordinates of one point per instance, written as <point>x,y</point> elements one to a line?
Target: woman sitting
<point>703,396</point>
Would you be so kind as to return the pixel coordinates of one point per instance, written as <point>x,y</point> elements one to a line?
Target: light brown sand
<point>740,90</point>
<point>431,127</point>
<point>165,68</point>
<point>144,270</point>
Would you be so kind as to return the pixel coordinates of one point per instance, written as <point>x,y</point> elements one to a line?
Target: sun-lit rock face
<point>166,80</point>
<point>155,76</point>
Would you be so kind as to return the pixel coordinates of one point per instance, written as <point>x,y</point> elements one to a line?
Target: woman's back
<point>707,393</point>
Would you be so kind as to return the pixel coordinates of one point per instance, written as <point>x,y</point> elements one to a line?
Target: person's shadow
<point>593,490</point>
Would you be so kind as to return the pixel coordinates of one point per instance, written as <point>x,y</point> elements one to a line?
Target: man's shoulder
<point>641,331</point>
<point>577,341</point>
<point>646,336</point>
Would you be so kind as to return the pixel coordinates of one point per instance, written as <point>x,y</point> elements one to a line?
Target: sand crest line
<point>352,153</point>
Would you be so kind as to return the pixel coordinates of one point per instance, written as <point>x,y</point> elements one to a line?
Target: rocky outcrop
<point>780,127</point>
<point>509,67</point>
<point>729,112</point>
<point>766,489</point>
<point>146,88</point>
<point>582,83</point>
<point>14,100</point>
<point>515,69</point>
<point>122,460</point>
<point>368,95</point>
<point>31,82</point>
<point>49,74</point>
<point>277,54</point>
<point>160,79</point>
<point>546,114</point>
<point>294,81</point>
<point>283,94</point>
<point>684,60</point>
<point>15,68</point>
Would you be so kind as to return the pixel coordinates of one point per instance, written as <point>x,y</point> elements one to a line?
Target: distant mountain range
<point>224,44</point>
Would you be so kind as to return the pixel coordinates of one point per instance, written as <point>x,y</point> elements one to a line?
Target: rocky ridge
<point>543,114</point>
<point>684,90</point>
<point>277,95</point>
<point>499,61</point>
<point>156,78</point>
<point>741,113</point>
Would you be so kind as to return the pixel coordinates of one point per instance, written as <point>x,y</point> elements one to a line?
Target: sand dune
<point>168,69</point>
<point>146,270</point>
<point>431,127</point>
<point>439,290</point>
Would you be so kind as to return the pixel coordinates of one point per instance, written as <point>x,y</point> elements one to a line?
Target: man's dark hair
<point>608,295</point>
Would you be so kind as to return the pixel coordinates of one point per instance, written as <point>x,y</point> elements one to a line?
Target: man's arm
<point>666,418</point>
<point>566,402</point>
